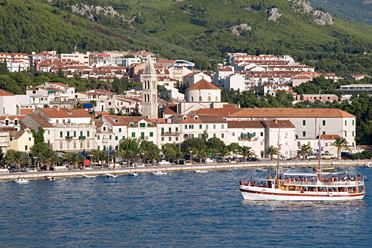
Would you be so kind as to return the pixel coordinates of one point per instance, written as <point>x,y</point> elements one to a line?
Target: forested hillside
<point>358,10</point>
<point>201,31</point>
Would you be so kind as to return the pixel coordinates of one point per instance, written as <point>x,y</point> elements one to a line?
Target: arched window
<point>192,98</point>
<point>200,99</point>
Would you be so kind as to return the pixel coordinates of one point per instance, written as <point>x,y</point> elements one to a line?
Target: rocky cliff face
<point>319,17</point>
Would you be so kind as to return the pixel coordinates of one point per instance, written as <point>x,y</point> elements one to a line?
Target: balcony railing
<point>82,137</point>
<point>68,137</point>
<point>170,134</point>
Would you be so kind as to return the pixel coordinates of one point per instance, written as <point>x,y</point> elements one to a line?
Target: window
<point>324,132</point>
<point>142,124</point>
<point>162,138</point>
<point>345,133</point>
<point>81,133</point>
<point>162,130</point>
<point>214,135</point>
<point>60,134</point>
<point>116,138</point>
<point>206,126</point>
<point>176,129</point>
<point>119,130</point>
<point>75,134</point>
<point>142,135</point>
<point>185,126</point>
<point>345,122</point>
<point>87,134</point>
<point>16,122</point>
<point>222,136</point>
<point>176,138</point>
<point>303,134</point>
<point>214,126</point>
<point>353,122</point>
<point>26,148</point>
<point>133,134</point>
<point>353,133</point>
<point>233,134</point>
<point>81,145</point>
<point>170,130</point>
<point>68,133</point>
<point>170,138</point>
<point>151,134</point>
<point>324,122</point>
<point>261,134</point>
<point>304,123</point>
<point>200,126</point>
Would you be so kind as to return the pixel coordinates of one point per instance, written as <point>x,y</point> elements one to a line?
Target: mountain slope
<point>26,26</point>
<point>358,10</point>
<point>201,31</point>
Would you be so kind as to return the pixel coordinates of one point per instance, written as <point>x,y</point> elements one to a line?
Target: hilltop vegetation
<point>358,10</point>
<point>200,31</point>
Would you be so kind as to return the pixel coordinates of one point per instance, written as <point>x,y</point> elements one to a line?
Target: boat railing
<point>345,183</point>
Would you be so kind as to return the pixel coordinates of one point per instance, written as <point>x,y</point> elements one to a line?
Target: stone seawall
<point>177,168</point>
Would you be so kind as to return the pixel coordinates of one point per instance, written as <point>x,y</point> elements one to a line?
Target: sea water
<point>176,210</point>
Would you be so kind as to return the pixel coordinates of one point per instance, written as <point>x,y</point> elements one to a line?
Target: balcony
<point>170,134</point>
<point>68,138</point>
<point>82,137</point>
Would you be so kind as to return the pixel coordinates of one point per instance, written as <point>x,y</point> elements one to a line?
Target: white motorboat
<point>111,175</point>
<point>51,179</point>
<point>159,173</point>
<point>201,171</point>
<point>22,181</point>
<point>133,174</point>
<point>321,185</point>
<point>89,176</point>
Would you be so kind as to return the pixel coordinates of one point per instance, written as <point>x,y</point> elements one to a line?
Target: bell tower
<point>149,90</point>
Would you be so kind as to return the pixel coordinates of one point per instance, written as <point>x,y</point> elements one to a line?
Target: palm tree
<point>271,151</point>
<point>16,157</point>
<point>247,152</point>
<point>129,149</point>
<point>235,148</point>
<point>304,150</point>
<point>224,152</point>
<point>150,151</point>
<point>340,143</point>
<point>171,152</point>
<point>98,156</point>
<point>73,158</point>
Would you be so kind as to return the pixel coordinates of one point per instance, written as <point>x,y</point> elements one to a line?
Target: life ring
<point>330,194</point>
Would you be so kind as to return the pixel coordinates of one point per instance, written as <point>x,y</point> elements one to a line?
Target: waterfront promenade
<point>176,168</point>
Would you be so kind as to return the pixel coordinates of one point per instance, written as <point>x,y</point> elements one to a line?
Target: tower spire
<point>150,91</point>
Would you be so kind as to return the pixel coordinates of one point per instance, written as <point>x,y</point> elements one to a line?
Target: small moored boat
<point>111,175</point>
<point>159,173</point>
<point>133,174</point>
<point>22,181</point>
<point>89,176</point>
<point>200,171</point>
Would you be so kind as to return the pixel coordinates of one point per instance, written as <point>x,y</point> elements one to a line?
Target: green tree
<point>215,146</point>
<point>44,155</point>
<point>340,143</point>
<point>271,151</point>
<point>196,146</point>
<point>171,152</point>
<point>16,157</point>
<point>235,148</point>
<point>304,151</point>
<point>247,152</point>
<point>150,151</point>
<point>129,149</point>
<point>73,158</point>
<point>98,156</point>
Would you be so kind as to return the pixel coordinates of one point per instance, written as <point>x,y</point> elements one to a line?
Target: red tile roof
<point>278,124</point>
<point>291,113</point>
<point>245,124</point>
<point>203,85</point>
<point>5,93</point>
<point>65,113</point>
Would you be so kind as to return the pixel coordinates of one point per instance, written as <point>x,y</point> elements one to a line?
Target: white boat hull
<point>267,194</point>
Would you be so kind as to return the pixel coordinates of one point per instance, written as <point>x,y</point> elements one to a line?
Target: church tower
<point>150,91</point>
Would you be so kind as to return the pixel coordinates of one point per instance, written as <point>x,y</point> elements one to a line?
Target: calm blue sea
<point>177,210</point>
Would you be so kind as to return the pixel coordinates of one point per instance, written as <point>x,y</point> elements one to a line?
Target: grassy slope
<point>203,35</point>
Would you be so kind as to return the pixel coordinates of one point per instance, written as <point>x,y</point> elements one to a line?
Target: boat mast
<point>277,172</point>
<point>318,169</point>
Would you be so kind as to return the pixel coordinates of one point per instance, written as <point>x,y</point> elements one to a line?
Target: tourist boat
<point>320,185</point>
<point>159,173</point>
<point>89,176</point>
<point>22,181</point>
<point>200,171</point>
<point>133,174</point>
<point>111,175</point>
